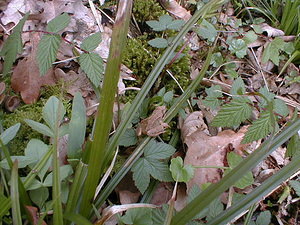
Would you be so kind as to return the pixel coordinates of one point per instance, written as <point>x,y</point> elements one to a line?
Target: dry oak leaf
<point>26,77</point>
<point>205,150</point>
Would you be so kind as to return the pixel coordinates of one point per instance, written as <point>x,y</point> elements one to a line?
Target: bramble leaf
<point>13,46</point>
<point>238,87</point>
<point>233,161</point>
<point>213,93</point>
<point>138,216</point>
<point>264,218</point>
<point>47,51</point>
<point>158,43</point>
<point>238,47</point>
<point>232,114</point>
<point>92,65</point>
<point>260,127</point>
<point>58,23</point>
<point>129,138</point>
<point>151,164</point>
<point>91,42</point>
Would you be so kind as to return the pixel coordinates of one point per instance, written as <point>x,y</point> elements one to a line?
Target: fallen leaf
<point>162,194</point>
<point>205,150</point>
<point>271,31</point>
<point>33,213</point>
<point>12,103</point>
<point>26,77</point>
<point>177,10</point>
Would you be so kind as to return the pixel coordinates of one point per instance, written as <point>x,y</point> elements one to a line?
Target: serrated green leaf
<point>238,87</point>
<point>233,161</point>
<point>175,24</point>
<point>293,146</point>
<point>9,134</point>
<point>280,107</point>
<point>215,208</point>
<point>91,42</point>
<point>250,37</point>
<point>158,150</point>
<point>264,218</point>
<point>271,52</point>
<point>138,216</point>
<point>207,31</point>
<point>129,138</point>
<point>158,43</point>
<point>47,51</point>
<point>260,128</point>
<point>77,127</point>
<point>92,65</point>
<point>217,59</point>
<point>232,114</point>
<point>180,172</point>
<point>13,46</point>
<point>268,95</point>
<point>39,127</point>
<point>53,112</point>
<point>58,23</point>
<point>296,186</point>
<point>141,175</point>
<point>213,93</point>
<point>238,47</point>
<point>151,164</point>
<point>155,25</point>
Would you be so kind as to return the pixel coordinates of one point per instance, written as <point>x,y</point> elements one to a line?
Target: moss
<point>147,10</point>
<point>33,112</point>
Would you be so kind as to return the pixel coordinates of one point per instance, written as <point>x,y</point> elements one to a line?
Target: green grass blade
<point>5,205</point>
<point>14,193</point>
<point>208,195</point>
<point>257,194</point>
<point>105,109</point>
<point>77,219</point>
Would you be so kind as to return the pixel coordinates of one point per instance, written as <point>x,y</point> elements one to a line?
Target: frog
<point>154,125</point>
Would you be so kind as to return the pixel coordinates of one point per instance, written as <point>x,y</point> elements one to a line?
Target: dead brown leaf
<point>177,10</point>
<point>26,77</point>
<point>33,213</point>
<point>205,150</point>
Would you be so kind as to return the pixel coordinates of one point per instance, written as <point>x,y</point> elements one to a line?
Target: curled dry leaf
<point>193,123</point>
<point>204,150</point>
<point>26,77</point>
<point>177,10</point>
<point>271,31</point>
<point>12,103</point>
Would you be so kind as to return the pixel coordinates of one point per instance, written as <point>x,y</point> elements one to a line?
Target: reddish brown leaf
<point>33,212</point>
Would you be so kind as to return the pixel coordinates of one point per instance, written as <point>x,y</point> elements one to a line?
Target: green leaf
<point>250,37</point>
<point>296,186</point>
<point>193,193</point>
<point>39,127</point>
<point>238,47</point>
<point>159,214</point>
<point>280,107</point>
<point>13,46</point>
<point>207,31</point>
<point>181,173</point>
<point>15,198</point>
<point>165,22</point>
<point>234,160</point>
<point>65,171</point>
<point>272,51</point>
<point>232,114</point>
<point>91,42</point>
<point>58,23</point>
<point>238,87</point>
<point>92,65</point>
<point>214,209</point>
<point>47,51</point>
<point>53,112</point>
<point>293,146</point>
<point>39,196</point>
<point>23,161</point>
<point>260,128</point>
<point>158,43</point>
<point>213,93</point>
<point>151,164</point>
<point>9,134</point>
<point>138,216</point>
<point>155,25</point>
<point>129,138</point>
<point>264,218</point>
<point>77,127</point>
<point>217,59</point>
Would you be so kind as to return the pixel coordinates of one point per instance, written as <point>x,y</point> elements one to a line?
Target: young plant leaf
<point>47,51</point>
<point>53,111</point>
<point>65,171</point>
<point>232,114</point>
<point>165,22</point>
<point>238,47</point>
<point>92,65</point>
<point>272,51</point>
<point>151,164</point>
<point>13,46</point>
<point>9,133</point>
<point>238,87</point>
<point>293,147</point>
<point>207,31</point>
<point>234,160</point>
<point>214,209</point>
<point>260,128</point>
<point>14,193</point>
<point>58,23</point>
<point>39,196</point>
<point>264,218</point>
<point>296,186</point>
<point>158,43</point>
<point>180,172</point>
<point>211,100</point>
<point>91,42</point>
<point>129,138</point>
<point>39,127</point>
<point>77,127</point>
<point>138,216</point>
